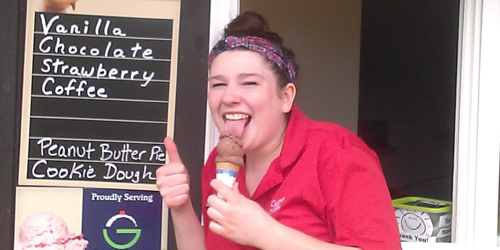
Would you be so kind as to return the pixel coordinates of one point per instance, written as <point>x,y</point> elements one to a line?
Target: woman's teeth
<point>233,117</point>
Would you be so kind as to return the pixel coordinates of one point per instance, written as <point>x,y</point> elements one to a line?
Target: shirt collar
<point>293,144</point>
<point>295,138</point>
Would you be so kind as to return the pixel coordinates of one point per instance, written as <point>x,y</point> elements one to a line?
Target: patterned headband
<point>257,44</point>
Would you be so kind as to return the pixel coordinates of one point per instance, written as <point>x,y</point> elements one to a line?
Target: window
<point>470,176</point>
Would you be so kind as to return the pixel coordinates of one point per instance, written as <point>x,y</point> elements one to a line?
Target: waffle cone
<point>227,166</point>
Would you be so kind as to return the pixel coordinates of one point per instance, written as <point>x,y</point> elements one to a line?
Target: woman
<point>305,184</point>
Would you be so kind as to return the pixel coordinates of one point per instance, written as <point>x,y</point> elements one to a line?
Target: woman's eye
<point>215,85</point>
<point>250,83</point>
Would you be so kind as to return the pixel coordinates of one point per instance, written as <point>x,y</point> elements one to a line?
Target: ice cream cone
<point>227,166</point>
<point>227,172</point>
<point>229,158</point>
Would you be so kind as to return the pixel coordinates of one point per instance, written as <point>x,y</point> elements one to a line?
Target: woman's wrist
<point>271,236</point>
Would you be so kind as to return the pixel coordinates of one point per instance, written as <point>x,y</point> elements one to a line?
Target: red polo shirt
<point>326,183</point>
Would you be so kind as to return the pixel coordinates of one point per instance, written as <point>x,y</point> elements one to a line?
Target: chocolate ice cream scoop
<point>229,149</point>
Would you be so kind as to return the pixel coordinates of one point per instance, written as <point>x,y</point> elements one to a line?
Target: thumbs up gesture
<point>172,179</point>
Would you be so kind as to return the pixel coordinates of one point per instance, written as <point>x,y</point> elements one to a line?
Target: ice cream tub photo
<point>423,219</point>
<point>46,230</point>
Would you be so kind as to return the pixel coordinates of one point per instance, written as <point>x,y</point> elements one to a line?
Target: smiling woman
<point>246,86</point>
<point>305,184</point>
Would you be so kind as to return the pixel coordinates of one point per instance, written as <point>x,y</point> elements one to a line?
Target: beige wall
<point>325,35</point>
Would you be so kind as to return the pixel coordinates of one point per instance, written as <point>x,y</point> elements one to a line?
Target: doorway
<point>386,71</point>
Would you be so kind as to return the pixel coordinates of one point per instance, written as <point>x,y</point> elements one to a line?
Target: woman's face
<point>244,99</point>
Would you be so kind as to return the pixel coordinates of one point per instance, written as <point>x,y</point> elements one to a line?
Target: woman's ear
<point>288,96</point>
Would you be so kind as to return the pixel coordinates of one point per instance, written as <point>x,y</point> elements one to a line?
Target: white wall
<point>325,36</point>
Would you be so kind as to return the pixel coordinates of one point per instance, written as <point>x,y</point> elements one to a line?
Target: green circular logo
<point>135,231</point>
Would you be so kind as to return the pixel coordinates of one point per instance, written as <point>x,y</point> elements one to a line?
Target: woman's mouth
<point>235,123</point>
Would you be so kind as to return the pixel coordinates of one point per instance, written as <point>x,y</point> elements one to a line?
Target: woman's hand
<point>172,179</point>
<point>235,217</point>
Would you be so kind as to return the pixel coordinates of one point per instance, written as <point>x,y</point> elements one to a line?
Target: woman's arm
<point>245,222</point>
<point>172,181</point>
<point>280,236</point>
<point>189,233</point>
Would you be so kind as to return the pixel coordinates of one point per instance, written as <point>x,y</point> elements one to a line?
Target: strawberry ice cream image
<point>47,231</point>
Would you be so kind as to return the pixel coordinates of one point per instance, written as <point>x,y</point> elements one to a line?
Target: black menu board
<point>99,104</point>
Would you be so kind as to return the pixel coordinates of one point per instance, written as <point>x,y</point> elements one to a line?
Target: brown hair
<point>251,23</point>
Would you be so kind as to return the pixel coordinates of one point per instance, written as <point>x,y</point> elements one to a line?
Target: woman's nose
<point>231,95</point>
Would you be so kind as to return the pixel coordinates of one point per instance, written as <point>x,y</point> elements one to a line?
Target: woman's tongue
<point>235,127</point>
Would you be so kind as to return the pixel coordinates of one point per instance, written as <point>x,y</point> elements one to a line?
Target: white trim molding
<point>477,137</point>
<point>221,13</point>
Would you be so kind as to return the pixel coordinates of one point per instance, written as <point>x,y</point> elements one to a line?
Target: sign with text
<point>99,94</point>
<point>119,219</point>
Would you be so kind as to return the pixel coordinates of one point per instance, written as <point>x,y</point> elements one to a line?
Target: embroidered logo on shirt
<point>276,205</point>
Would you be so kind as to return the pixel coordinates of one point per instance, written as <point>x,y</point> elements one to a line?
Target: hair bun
<point>248,23</point>
<point>251,23</point>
